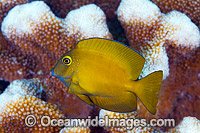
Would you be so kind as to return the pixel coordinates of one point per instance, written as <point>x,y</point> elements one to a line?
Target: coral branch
<point>20,99</point>
<point>189,7</point>
<point>169,42</point>
<point>37,39</point>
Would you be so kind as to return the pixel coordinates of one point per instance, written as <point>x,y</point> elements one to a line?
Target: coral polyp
<point>21,99</point>
<point>149,31</point>
<point>188,7</point>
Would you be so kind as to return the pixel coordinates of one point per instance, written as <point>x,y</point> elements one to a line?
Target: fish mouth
<point>52,72</point>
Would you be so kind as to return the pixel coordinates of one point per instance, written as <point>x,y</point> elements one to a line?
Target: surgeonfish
<point>105,73</point>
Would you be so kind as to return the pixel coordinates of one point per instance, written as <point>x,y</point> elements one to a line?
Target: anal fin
<point>79,91</point>
<point>85,98</point>
<point>127,102</point>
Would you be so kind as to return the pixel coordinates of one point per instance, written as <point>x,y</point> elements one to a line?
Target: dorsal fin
<point>130,59</point>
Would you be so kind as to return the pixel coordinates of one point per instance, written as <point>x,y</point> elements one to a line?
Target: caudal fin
<point>148,90</point>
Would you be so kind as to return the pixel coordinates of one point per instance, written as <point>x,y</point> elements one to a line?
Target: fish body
<point>93,73</point>
<point>105,73</point>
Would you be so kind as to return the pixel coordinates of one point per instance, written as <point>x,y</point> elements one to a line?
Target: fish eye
<point>67,60</point>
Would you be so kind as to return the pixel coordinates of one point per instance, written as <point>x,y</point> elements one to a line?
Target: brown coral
<point>21,99</point>
<point>36,40</point>
<point>189,7</point>
<point>169,42</point>
<point>6,5</point>
<point>129,127</point>
<point>30,47</point>
<point>75,130</point>
<point>188,124</point>
<point>13,118</point>
<point>148,31</point>
<point>62,7</point>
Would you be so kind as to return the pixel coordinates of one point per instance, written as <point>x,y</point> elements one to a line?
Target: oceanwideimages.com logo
<point>128,124</point>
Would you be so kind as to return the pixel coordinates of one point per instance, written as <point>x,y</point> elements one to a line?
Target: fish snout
<point>52,72</point>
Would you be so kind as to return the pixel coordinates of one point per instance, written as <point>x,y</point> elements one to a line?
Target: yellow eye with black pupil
<point>67,60</point>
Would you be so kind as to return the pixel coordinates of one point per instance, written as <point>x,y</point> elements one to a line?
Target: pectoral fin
<point>127,102</point>
<point>85,98</point>
<point>76,89</point>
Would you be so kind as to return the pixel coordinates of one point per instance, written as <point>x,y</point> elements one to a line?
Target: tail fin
<point>148,91</point>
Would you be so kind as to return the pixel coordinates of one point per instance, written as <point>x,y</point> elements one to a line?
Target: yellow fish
<point>105,73</point>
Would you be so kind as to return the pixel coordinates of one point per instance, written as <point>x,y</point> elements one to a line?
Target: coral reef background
<point>28,56</point>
